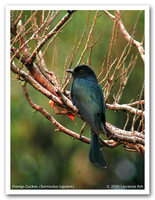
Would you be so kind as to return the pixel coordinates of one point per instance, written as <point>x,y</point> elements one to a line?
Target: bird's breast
<point>81,89</point>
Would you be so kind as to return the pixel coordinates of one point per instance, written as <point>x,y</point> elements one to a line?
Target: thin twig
<point>88,39</point>
<point>136,103</point>
<point>127,36</point>
<point>49,35</point>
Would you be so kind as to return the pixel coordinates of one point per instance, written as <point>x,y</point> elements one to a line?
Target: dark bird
<point>87,96</point>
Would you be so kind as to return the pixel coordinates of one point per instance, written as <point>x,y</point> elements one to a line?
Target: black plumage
<point>87,96</point>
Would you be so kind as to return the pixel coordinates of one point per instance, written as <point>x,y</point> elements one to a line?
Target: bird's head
<point>82,71</point>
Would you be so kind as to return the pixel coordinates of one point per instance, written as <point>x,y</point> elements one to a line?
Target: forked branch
<point>127,36</point>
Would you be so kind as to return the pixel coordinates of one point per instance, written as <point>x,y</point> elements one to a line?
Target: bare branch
<point>49,35</point>
<point>127,36</point>
<point>88,39</point>
<point>109,14</point>
<point>122,135</point>
<point>35,84</point>
<point>37,75</point>
<point>136,103</point>
<point>125,107</point>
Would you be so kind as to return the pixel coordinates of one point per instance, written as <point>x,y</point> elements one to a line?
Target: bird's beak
<point>70,71</point>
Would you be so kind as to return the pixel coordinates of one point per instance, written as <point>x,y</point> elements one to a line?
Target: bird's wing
<point>87,96</point>
<point>103,109</point>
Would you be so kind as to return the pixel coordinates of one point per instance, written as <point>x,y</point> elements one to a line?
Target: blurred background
<point>41,156</point>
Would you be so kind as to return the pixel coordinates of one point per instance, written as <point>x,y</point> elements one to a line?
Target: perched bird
<point>87,96</point>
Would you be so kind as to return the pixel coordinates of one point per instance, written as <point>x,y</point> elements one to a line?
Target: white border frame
<point>146,191</point>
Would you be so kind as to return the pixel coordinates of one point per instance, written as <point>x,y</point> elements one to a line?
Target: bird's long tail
<point>95,153</point>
